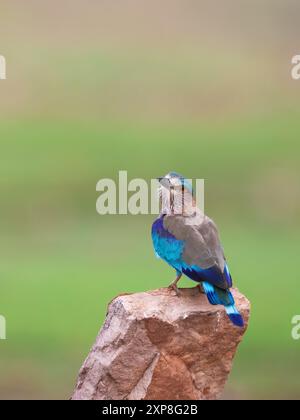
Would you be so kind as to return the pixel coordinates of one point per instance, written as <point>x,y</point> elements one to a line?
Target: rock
<point>158,346</point>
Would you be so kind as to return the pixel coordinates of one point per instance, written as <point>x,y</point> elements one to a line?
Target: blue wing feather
<point>215,283</point>
<point>170,249</point>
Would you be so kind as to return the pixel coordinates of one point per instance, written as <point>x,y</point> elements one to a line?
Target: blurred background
<point>200,87</point>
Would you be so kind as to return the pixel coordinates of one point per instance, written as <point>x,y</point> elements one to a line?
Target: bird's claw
<point>200,288</point>
<point>174,288</point>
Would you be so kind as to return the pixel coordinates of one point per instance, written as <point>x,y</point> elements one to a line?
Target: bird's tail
<point>234,316</point>
<point>218,296</point>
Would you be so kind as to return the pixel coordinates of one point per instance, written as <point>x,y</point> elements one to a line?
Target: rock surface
<point>157,346</point>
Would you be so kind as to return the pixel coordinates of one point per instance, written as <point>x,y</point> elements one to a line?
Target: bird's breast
<point>166,245</point>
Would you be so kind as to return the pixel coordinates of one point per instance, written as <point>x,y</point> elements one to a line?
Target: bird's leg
<point>173,285</point>
<point>200,288</point>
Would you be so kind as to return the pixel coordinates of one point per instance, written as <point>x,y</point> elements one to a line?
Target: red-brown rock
<point>155,345</point>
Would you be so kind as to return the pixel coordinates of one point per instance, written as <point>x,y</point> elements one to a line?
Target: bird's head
<point>176,194</point>
<point>176,182</point>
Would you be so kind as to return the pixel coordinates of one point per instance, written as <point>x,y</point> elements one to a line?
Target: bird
<point>188,240</point>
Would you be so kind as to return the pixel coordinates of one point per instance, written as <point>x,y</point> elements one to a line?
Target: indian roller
<point>188,240</point>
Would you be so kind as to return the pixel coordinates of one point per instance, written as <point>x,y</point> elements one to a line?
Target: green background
<point>203,88</point>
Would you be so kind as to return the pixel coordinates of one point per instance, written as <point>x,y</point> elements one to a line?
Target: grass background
<point>202,88</point>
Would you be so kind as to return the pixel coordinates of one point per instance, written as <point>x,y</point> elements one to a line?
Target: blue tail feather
<point>218,296</point>
<point>234,315</point>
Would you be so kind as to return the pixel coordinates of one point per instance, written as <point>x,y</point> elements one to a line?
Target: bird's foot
<point>200,288</point>
<point>173,287</point>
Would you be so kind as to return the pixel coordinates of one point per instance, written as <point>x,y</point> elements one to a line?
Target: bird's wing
<point>202,244</point>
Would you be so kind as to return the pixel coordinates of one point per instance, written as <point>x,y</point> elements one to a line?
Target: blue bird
<point>188,241</point>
